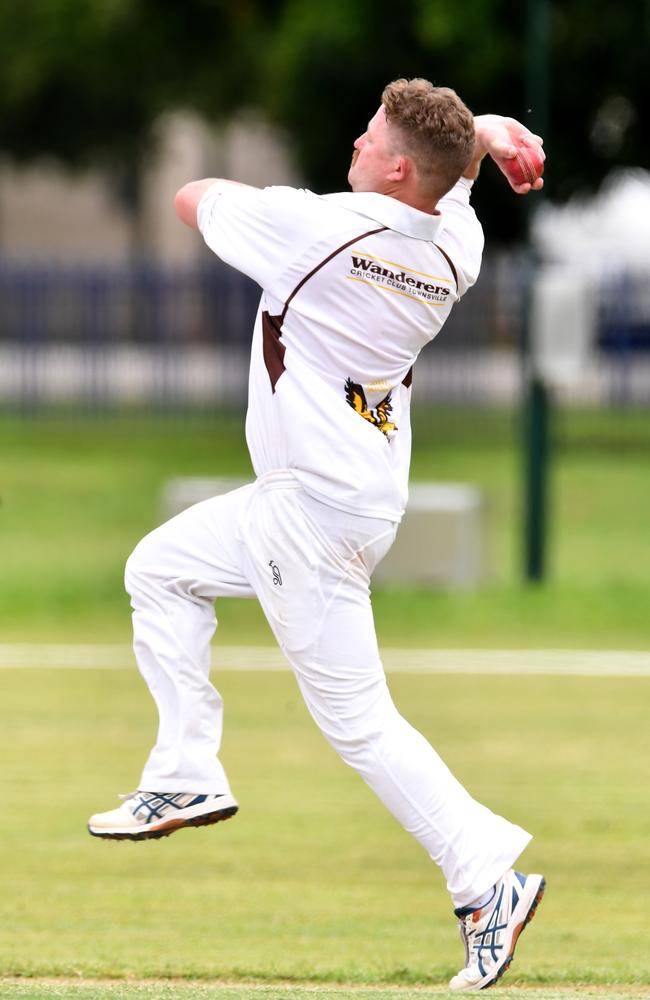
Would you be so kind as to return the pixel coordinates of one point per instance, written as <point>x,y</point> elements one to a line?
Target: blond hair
<point>433,127</point>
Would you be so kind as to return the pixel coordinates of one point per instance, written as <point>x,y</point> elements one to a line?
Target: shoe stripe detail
<point>151,806</point>
<point>486,940</point>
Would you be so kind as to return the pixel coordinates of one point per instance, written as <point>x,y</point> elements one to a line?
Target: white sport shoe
<point>149,815</point>
<point>490,933</point>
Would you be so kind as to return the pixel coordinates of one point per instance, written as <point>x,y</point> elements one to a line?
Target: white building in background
<point>48,212</point>
<point>594,279</point>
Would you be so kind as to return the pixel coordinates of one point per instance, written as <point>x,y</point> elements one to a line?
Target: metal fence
<point>100,338</point>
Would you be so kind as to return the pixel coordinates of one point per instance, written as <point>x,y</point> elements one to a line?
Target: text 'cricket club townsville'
<point>402,281</point>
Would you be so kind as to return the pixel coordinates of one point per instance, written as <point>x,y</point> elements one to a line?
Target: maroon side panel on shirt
<point>273,347</point>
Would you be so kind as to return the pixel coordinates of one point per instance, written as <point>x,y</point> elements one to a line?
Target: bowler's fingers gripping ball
<point>526,166</point>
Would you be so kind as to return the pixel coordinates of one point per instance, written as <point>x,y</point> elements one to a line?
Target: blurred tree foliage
<point>84,80</point>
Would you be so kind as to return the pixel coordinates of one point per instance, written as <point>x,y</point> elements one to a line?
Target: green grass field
<point>313,882</point>
<point>313,888</point>
<point>77,495</point>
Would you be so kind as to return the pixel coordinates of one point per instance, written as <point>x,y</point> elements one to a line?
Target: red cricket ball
<point>525,166</point>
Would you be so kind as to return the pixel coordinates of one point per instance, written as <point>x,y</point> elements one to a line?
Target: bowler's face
<point>372,160</point>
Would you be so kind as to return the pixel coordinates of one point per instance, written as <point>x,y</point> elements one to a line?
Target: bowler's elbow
<point>188,197</point>
<point>187,200</point>
<point>186,203</point>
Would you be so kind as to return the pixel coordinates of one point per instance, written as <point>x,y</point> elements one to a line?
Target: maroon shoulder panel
<point>450,262</point>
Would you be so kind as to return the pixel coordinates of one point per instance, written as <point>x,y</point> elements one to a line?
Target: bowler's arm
<point>495,137</point>
<point>188,197</point>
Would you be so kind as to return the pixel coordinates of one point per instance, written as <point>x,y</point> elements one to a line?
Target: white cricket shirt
<point>354,285</point>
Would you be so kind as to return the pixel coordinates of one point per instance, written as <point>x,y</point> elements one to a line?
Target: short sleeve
<point>259,231</point>
<point>462,234</point>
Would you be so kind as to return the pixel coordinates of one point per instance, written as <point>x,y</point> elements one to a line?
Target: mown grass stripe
<point>66,989</point>
<point>574,662</point>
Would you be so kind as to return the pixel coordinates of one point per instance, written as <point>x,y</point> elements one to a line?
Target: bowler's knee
<point>356,717</point>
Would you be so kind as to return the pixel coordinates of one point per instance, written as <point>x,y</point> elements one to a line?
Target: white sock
<point>484,899</point>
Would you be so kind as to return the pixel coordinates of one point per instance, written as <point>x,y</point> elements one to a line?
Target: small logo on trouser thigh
<point>277,579</point>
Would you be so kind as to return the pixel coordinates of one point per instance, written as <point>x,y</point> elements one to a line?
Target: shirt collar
<point>389,212</point>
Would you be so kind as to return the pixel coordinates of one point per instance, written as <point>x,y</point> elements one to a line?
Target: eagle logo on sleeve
<point>379,416</point>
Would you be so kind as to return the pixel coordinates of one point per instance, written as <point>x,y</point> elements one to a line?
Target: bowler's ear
<point>402,169</point>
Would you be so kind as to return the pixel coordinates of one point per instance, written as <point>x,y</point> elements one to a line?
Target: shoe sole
<point>515,937</point>
<point>165,827</point>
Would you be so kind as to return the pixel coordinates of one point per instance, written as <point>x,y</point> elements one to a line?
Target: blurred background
<point>124,342</point>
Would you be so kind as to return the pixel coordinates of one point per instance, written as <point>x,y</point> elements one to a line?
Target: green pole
<point>537,64</point>
<point>536,398</point>
<point>536,429</point>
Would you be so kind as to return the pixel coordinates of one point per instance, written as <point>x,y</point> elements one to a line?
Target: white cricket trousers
<point>309,565</point>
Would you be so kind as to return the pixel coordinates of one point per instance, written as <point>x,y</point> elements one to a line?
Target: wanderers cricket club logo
<point>378,416</point>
